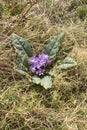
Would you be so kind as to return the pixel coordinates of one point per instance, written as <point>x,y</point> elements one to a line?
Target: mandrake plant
<point>41,67</point>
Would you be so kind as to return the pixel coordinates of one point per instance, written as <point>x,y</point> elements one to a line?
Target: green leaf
<point>7,127</point>
<point>53,46</point>
<point>21,69</point>
<point>22,66</point>
<point>46,82</point>
<point>23,49</point>
<point>36,80</point>
<point>67,63</point>
<point>21,45</point>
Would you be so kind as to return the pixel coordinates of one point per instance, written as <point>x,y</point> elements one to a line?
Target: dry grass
<point>24,106</point>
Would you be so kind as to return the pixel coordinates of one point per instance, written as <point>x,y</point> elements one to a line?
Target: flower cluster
<point>39,63</point>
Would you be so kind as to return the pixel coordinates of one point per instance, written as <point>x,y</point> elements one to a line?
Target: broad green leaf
<point>23,50</point>
<point>22,66</point>
<point>21,69</point>
<point>67,63</point>
<point>21,45</point>
<point>53,46</point>
<point>36,80</point>
<point>46,82</point>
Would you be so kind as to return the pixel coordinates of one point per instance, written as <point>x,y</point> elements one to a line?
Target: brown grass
<point>24,106</point>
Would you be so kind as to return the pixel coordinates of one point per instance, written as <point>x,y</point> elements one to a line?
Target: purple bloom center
<point>39,63</point>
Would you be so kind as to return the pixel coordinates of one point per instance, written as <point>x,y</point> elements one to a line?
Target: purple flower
<point>34,61</point>
<point>44,59</point>
<point>33,69</point>
<point>40,72</point>
<point>39,63</point>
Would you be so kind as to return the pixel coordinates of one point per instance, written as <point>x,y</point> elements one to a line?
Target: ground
<point>24,106</point>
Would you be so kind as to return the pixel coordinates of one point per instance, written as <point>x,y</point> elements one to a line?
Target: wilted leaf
<point>53,46</point>
<point>67,63</point>
<point>46,82</point>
